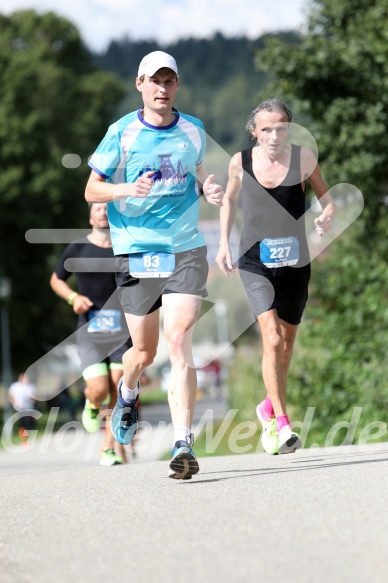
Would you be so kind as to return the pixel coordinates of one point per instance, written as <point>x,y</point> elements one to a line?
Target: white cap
<point>155,61</point>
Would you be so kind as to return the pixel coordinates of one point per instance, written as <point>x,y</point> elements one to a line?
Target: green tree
<point>341,360</point>
<point>336,77</point>
<point>53,102</point>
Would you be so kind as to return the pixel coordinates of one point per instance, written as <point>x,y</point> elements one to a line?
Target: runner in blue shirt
<point>148,169</point>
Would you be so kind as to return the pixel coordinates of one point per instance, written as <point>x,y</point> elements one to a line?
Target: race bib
<point>279,252</point>
<point>151,264</point>
<point>104,321</point>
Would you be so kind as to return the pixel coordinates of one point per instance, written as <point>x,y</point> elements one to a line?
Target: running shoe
<point>269,436</point>
<point>91,417</point>
<point>183,463</point>
<point>123,421</point>
<point>109,458</point>
<point>289,441</point>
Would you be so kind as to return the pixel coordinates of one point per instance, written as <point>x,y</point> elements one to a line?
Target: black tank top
<point>273,212</point>
<point>98,285</point>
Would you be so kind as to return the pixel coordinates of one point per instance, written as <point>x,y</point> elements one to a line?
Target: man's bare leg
<point>278,339</point>
<point>181,312</point>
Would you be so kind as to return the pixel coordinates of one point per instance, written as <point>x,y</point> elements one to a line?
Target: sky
<point>101,21</point>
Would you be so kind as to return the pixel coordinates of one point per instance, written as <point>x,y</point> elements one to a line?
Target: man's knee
<point>97,389</point>
<point>177,342</point>
<point>273,341</point>
<point>141,358</point>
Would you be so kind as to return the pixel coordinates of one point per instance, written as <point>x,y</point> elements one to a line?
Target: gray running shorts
<point>143,296</point>
<point>97,347</point>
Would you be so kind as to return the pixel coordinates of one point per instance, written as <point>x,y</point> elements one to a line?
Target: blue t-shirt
<point>167,219</point>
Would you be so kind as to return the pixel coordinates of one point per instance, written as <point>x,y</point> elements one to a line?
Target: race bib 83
<point>151,264</point>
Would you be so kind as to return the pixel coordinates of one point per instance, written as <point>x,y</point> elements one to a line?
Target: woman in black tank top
<point>274,260</point>
<point>273,212</point>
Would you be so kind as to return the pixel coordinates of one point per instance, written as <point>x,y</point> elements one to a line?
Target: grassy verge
<point>149,397</point>
<point>231,438</point>
<point>40,425</point>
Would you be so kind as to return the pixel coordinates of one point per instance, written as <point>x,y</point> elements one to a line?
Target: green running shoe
<point>269,436</point>
<point>91,418</point>
<point>109,458</point>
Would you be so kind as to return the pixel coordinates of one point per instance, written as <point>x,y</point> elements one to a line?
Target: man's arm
<point>212,192</point>
<point>98,190</point>
<point>228,214</point>
<point>81,304</point>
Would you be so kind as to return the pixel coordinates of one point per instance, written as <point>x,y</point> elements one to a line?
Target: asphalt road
<point>316,516</point>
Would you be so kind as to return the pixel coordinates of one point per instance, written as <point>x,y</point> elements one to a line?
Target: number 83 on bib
<point>151,264</point>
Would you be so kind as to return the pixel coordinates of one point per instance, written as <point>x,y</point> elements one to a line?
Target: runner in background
<point>102,333</point>
<point>22,396</point>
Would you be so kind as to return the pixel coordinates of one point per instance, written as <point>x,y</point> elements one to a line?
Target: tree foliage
<point>341,360</point>
<point>336,79</point>
<point>54,102</point>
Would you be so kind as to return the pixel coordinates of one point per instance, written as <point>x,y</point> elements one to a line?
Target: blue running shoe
<point>123,421</point>
<point>183,463</point>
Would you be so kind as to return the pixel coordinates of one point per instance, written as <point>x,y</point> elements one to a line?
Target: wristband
<point>71,297</point>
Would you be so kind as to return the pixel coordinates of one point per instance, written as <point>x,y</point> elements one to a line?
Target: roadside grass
<point>231,438</point>
<point>150,397</point>
<point>46,418</point>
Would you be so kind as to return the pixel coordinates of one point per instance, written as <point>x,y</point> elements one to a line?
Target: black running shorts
<point>284,289</point>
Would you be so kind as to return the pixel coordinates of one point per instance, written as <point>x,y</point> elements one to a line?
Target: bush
<point>245,384</point>
<point>340,359</point>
